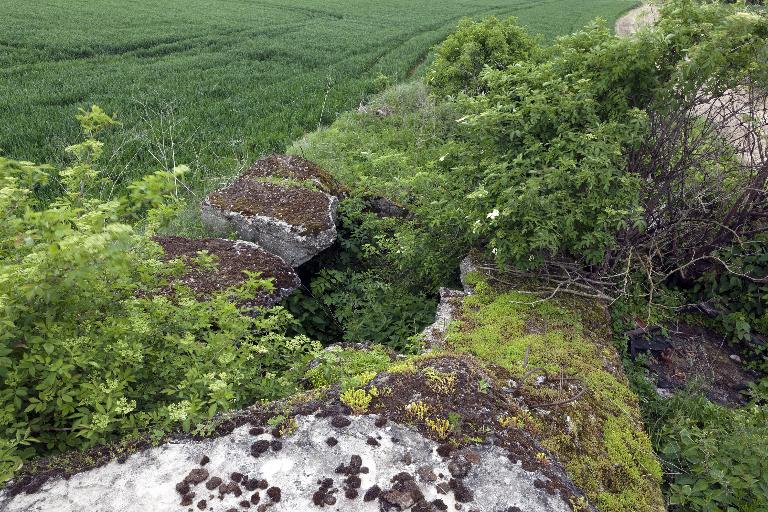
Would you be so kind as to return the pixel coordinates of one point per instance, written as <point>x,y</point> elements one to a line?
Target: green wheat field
<point>216,83</point>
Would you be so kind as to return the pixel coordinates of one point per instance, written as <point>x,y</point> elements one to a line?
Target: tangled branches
<point>704,166</point>
<point>705,170</point>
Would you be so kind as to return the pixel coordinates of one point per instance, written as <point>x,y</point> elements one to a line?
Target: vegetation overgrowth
<point>598,167</point>
<point>551,161</point>
<point>598,437</point>
<point>714,457</point>
<point>93,347</point>
<point>549,167</point>
<point>215,84</point>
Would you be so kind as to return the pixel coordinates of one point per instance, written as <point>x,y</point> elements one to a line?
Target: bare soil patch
<point>696,355</point>
<point>635,19</point>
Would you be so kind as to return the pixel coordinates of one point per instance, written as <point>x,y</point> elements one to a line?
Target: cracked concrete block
<point>233,258</point>
<point>284,204</point>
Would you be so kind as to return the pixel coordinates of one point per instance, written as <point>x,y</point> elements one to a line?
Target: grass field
<point>216,83</point>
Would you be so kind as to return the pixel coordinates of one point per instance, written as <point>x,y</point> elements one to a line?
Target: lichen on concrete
<point>287,474</point>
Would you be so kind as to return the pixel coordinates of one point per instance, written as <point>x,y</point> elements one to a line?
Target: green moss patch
<point>559,355</point>
<point>348,366</point>
<point>457,401</point>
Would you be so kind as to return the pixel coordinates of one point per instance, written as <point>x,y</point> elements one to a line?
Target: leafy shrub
<point>705,197</point>
<point>89,349</point>
<point>741,295</point>
<point>377,287</point>
<point>474,46</point>
<point>563,156</point>
<point>716,458</point>
<point>350,367</point>
<point>549,166</point>
<point>361,307</point>
<point>406,156</point>
<point>381,285</point>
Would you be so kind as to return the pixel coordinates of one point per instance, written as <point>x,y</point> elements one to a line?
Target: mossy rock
<point>294,169</point>
<point>213,265</point>
<point>282,203</point>
<point>560,359</point>
<point>303,210</point>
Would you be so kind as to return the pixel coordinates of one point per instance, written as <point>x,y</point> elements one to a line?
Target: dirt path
<point>726,112</point>
<point>631,22</point>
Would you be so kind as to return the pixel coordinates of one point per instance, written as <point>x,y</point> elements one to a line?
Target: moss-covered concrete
<point>294,169</point>
<point>213,265</point>
<point>302,208</point>
<point>597,433</point>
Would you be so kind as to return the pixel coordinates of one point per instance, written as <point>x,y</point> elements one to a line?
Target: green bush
<point>347,366</point>
<point>90,350</point>
<point>556,157</point>
<point>357,296</point>
<point>742,296</point>
<point>716,458</point>
<point>369,309</point>
<point>549,154</point>
<point>475,46</point>
<point>376,288</point>
<point>407,156</point>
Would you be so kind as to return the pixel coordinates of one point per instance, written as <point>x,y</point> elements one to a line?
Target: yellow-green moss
<point>350,367</point>
<point>357,399</point>
<point>404,366</point>
<point>599,437</point>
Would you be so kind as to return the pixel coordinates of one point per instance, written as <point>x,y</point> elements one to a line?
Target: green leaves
<point>92,347</point>
<point>717,457</point>
<point>741,295</point>
<point>154,196</point>
<point>365,307</point>
<point>94,121</point>
<point>475,46</point>
<point>552,175</point>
